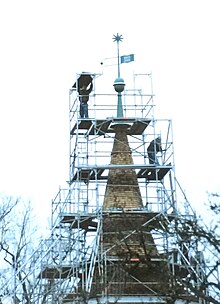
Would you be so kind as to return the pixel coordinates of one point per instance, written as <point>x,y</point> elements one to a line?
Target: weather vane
<point>118,38</point>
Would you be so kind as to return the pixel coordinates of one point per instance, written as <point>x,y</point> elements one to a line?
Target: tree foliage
<point>204,236</point>
<point>17,242</point>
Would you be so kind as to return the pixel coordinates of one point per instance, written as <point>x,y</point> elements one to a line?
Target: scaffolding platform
<point>74,296</point>
<point>56,272</point>
<point>147,218</point>
<point>102,126</point>
<point>156,173</point>
<point>77,221</point>
<point>149,172</point>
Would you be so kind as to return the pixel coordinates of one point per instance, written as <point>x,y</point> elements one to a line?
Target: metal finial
<point>119,82</point>
<point>118,38</point>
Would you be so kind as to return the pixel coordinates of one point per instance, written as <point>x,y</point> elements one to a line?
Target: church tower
<point>114,235</point>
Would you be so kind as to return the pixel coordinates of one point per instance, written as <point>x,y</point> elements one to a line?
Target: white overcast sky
<point>44,43</point>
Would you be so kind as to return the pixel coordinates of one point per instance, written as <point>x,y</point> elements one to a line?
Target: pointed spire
<point>122,190</point>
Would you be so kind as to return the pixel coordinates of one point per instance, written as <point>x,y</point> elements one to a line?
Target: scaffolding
<point>122,253</point>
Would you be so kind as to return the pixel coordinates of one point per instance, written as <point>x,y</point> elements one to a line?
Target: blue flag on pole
<point>127,58</point>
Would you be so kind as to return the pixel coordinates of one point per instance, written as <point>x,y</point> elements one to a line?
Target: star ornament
<point>117,38</point>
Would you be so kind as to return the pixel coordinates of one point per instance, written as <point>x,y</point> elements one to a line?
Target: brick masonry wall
<point>122,189</point>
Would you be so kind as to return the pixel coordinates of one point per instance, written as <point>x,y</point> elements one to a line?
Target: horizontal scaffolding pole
<point>131,166</point>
